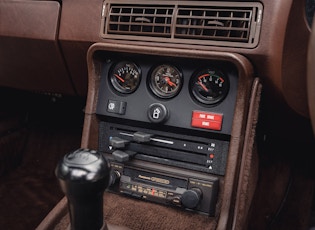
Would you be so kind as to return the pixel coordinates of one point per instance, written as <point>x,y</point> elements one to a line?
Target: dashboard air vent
<point>220,24</point>
<point>231,24</point>
<point>140,20</point>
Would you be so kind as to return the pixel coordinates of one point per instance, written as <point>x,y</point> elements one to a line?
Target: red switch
<point>206,120</point>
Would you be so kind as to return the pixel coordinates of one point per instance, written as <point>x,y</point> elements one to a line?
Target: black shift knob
<point>83,176</point>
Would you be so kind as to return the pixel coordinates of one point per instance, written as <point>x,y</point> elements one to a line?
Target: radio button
<point>176,201</point>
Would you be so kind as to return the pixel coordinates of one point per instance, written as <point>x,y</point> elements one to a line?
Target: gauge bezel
<point>198,97</point>
<point>113,80</point>
<point>156,90</point>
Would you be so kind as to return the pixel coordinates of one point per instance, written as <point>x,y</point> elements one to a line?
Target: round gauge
<point>209,86</point>
<point>165,81</point>
<point>125,77</point>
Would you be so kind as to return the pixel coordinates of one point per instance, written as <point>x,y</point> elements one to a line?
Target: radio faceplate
<point>183,191</point>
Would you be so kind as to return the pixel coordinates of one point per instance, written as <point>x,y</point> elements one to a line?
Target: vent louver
<point>140,20</point>
<point>213,24</point>
<point>233,24</point>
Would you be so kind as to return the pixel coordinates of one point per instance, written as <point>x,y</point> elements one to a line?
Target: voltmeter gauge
<point>125,77</point>
<point>209,86</point>
<point>165,81</point>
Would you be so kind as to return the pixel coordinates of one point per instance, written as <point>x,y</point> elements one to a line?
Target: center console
<point>177,127</point>
<point>165,125</point>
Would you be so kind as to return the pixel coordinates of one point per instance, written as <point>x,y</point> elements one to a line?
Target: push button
<point>206,120</point>
<point>214,117</point>
<point>157,113</point>
<point>118,107</point>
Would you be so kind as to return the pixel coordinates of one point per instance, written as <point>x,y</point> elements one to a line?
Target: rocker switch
<point>118,107</point>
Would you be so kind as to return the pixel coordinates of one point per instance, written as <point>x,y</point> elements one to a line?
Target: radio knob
<point>191,198</point>
<point>114,177</point>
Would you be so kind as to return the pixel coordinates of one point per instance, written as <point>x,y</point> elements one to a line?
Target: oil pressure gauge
<point>125,77</point>
<point>165,81</point>
<point>209,86</point>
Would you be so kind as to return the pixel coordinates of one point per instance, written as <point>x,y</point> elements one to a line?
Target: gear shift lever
<point>83,176</point>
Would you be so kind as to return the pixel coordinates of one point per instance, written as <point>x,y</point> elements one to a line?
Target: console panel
<point>165,126</point>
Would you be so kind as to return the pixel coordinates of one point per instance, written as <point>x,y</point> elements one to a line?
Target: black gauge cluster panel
<point>176,92</point>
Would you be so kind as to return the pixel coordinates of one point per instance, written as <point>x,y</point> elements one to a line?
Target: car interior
<point>157,115</point>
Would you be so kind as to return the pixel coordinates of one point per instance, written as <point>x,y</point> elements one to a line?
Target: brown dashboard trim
<point>30,55</point>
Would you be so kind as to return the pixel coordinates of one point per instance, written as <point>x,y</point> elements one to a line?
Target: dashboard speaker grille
<point>232,24</point>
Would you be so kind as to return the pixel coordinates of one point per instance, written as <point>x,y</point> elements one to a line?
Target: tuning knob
<point>191,198</point>
<point>114,177</point>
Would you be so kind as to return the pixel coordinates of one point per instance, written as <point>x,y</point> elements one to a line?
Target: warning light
<point>211,155</point>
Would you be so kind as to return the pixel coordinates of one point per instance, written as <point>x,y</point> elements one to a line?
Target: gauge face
<point>125,77</point>
<point>165,81</point>
<point>209,86</point>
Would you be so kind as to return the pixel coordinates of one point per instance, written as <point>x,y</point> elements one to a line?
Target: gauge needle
<point>203,86</point>
<point>169,82</point>
<point>122,80</point>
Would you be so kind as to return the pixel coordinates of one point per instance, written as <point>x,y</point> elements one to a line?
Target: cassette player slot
<point>156,180</point>
<point>173,163</point>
